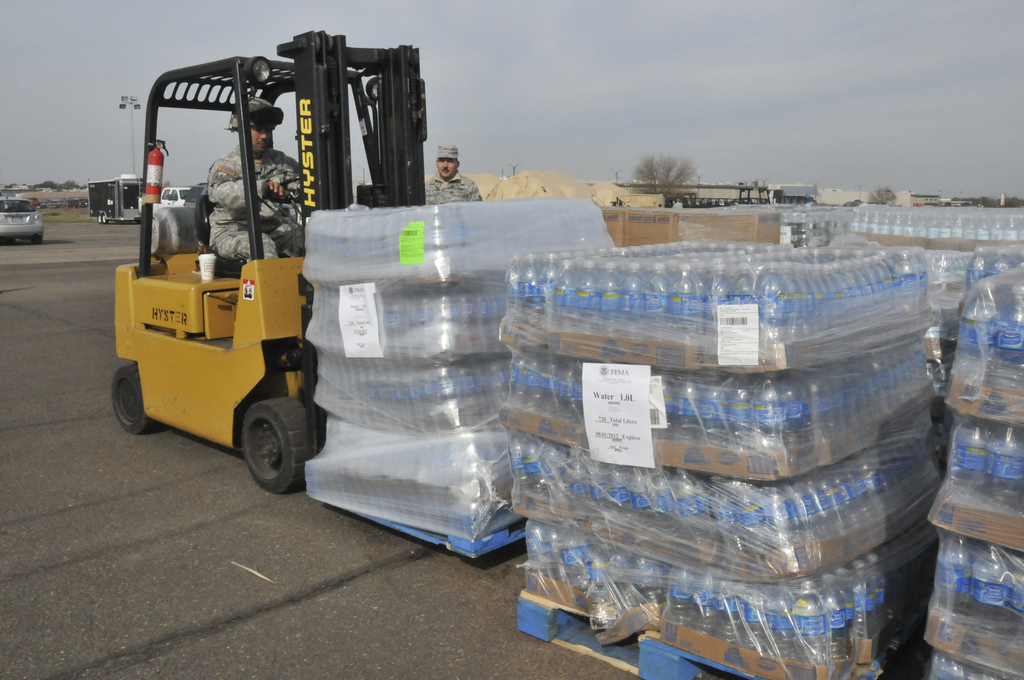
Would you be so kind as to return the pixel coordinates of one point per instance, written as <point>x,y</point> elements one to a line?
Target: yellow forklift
<point>226,360</point>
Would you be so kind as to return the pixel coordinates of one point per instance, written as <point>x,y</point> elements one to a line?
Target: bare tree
<point>883,196</point>
<point>664,174</point>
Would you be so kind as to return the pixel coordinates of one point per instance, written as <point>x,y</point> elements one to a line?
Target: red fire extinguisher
<point>155,172</point>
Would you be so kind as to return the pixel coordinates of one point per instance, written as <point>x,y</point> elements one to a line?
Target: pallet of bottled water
<point>414,396</point>
<point>440,243</point>
<point>750,425</point>
<point>983,493</point>
<point>976,614</point>
<point>707,305</point>
<point>946,667</point>
<point>753,530</point>
<point>820,627</point>
<point>988,373</point>
<point>454,484</point>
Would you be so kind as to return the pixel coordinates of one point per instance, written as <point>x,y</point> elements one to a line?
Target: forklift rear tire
<point>126,392</point>
<point>274,444</point>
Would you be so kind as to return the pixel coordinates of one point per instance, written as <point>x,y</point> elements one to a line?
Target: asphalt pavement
<point>118,553</point>
<point>122,556</point>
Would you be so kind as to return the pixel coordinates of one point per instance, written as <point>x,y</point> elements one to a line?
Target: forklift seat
<point>223,267</point>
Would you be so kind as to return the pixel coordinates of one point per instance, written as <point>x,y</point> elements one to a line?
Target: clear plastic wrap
<point>945,667</point>
<point>947,272</point>
<point>976,612</point>
<point>753,425</point>
<point>753,530</point>
<point>456,485</point>
<point>665,306</point>
<point>988,373</point>
<point>944,223</point>
<point>421,320</point>
<point>988,261</point>
<point>436,243</point>
<point>411,396</point>
<point>983,493</point>
<point>835,619</point>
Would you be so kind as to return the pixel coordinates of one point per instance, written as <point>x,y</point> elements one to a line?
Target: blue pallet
<point>456,544</point>
<point>655,660</point>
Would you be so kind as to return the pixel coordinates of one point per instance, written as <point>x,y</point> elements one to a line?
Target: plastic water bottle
<point>691,494</point>
<point>969,452</point>
<point>711,412</point>
<point>650,580</point>
<point>784,636</point>
<point>991,587</point>
<point>588,299</point>
<point>610,306</point>
<point>1006,465</point>
<point>686,299</point>
<point>812,624</point>
<point>529,280</point>
<point>704,613</point>
<point>603,612</point>
<point>633,285</point>
<point>977,326</point>
<point>511,283</point>
<point>770,411</point>
<point>1009,330</point>
<point>756,626</point>
<point>945,668</point>
<point>618,485</point>
<point>546,280</point>
<point>638,485</point>
<point>656,292</point>
<point>563,297</point>
<point>729,625</point>
<point>833,601</point>
<point>774,303</point>
<point>953,576</point>
<point>534,478</point>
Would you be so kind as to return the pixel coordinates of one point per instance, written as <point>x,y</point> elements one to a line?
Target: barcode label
<point>659,420</point>
<point>737,335</point>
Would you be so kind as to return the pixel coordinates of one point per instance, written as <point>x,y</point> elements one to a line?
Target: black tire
<point>126,393</point>
<point>274,444</point>
<point>102,219</point>
<point>37,239</point>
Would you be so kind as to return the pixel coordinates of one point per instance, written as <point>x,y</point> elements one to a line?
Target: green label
<point>410,244</point>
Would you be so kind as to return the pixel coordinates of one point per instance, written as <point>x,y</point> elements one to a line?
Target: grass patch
<point>64,215</point>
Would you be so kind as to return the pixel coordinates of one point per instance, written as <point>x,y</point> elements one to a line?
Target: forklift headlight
<point>257,69</point>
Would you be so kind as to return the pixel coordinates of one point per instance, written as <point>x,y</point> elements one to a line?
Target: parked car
<point>194,193</point>
<point>20,219</point>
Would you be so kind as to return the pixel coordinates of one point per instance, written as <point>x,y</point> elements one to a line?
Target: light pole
<point>616,175</point>
<point>132,104</point>
<point>698,187</point>
<point>860,193</point>
<point>514,166</point>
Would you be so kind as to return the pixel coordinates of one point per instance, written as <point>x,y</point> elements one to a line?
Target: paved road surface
<point>116,551</point>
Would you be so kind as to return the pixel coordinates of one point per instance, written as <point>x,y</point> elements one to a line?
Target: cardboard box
<point>971,644</point>
<point>645,226</point>
<point>713,224</point>
<point>955,512</point>
<point>556,595</point>
<point>615,221</point>
<point>983,401</point>
<point>747,661</point>
<point>523,334</point>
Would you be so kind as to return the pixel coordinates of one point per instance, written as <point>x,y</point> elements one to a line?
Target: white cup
<point>206,262</point>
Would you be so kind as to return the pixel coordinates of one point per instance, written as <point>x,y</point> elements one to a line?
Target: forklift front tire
<point>126,392</point>
<point>274,444</point>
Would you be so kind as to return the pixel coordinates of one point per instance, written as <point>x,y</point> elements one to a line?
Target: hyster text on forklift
<point>226,359</point>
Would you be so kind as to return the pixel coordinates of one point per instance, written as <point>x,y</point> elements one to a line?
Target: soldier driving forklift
<point>226,360</point>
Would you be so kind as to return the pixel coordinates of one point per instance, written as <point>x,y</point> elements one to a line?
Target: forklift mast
<point>387,94</point>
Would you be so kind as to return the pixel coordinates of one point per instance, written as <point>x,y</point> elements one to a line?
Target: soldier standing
<point>228,235</point>
<point>448,186</point>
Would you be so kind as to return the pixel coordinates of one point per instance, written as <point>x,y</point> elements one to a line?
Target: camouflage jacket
<point>228,194</point>
<point>458,189</point>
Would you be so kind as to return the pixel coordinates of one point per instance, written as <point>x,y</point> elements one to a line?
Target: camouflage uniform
<point>228,235</point>
<point>458,189</point>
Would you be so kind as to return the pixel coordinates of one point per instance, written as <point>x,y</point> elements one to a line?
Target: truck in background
<point>115,200</point>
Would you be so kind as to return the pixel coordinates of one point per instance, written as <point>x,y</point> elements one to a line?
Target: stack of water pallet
<point>407,308</point>
<point>976,616</point>
<point>725,444</point>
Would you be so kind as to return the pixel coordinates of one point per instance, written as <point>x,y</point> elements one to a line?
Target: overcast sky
<point>922,96</point>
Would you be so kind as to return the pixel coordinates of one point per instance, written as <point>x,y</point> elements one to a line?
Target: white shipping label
<point>357,313</point>
<point>617,413</point>
<point>737,335</point>
<point>659,421</point>
<point>785,234</point>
